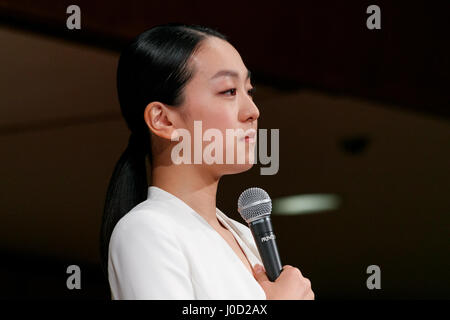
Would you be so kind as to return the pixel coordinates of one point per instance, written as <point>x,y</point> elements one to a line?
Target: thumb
<point>259,273</point>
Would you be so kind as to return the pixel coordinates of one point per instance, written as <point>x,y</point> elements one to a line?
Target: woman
<point>168,240</point>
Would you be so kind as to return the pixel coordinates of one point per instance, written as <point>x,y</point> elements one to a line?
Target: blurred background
<point>363,117</point>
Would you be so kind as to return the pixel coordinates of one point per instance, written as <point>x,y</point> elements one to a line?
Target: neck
<point>191,184</point>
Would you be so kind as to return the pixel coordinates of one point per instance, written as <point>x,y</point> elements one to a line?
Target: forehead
<point>213,57</point>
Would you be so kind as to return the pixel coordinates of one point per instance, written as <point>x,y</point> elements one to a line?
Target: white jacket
<point>163,249</point>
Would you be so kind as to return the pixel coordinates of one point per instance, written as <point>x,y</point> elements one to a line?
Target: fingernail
<point>258,268</point>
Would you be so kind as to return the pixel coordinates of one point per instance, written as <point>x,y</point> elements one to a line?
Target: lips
<point>250,136</point>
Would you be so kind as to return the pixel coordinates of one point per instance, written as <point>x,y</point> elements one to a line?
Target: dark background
<point>362,113</point>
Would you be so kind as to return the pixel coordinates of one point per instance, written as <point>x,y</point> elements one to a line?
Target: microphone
<point>255,207</point>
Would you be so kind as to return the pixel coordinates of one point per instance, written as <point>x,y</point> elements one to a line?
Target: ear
<point>160,120</point>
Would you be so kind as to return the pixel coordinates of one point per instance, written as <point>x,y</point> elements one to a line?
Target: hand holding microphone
<point>290,285</point>
<point>279,283</point>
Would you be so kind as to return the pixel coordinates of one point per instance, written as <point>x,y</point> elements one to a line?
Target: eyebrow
<point>230,73</point>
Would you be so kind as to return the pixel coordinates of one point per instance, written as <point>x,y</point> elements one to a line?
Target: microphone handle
<point>265,241</point>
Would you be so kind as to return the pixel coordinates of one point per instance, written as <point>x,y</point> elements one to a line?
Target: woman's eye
<point>233,89</point>
<point>251,92</point>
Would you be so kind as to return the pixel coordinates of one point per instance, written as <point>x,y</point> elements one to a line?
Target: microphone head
<point>253,204</point>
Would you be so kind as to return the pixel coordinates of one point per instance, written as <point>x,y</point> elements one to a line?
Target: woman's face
<point>221,101</point>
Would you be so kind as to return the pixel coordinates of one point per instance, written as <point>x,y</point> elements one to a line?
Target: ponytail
<point>127,188</point>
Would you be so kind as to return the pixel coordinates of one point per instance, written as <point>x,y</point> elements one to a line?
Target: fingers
<point>293,271</point>
<point>296,273</point>
<point>289,267</point>
<point>260,273</point>
<point>310,296</point>
<point>296,270</point>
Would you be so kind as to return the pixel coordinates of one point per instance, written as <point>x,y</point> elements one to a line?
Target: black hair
<point>154,66</point>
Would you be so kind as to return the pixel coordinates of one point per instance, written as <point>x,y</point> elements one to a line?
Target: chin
<point>238,168</point>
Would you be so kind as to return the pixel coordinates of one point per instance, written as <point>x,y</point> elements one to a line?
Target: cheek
<point>213,113</point>
<point>220,120</point>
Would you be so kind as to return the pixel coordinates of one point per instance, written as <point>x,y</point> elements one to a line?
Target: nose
<point>249,111</point>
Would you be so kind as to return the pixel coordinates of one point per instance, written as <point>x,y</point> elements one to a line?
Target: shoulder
<point>147,221</point>
<point>145,215</point>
